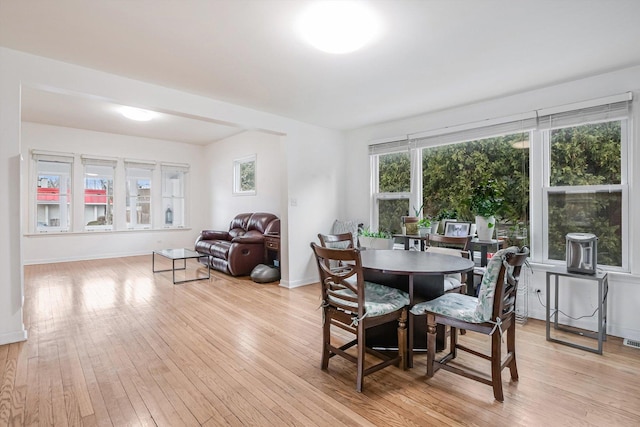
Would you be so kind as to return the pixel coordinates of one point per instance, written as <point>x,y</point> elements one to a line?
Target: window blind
<point>139,164</point>
<point>99,161</point>
<point>605,109</point>
<point>389,146</point>
<point>474,131</point>
<point>49,156</point>
<point>174,167</point>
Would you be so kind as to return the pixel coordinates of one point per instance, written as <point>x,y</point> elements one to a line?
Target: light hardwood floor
<point>111,343</point>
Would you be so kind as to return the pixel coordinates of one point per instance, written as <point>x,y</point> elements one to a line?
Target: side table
<point>602,280</point>
<point>272,244</point>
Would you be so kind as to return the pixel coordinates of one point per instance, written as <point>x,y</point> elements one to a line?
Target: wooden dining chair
<point>452,282</point>
<point>337,241</point>
<point>350,303</point>
<point>491,313</point>
<point>462,243</point>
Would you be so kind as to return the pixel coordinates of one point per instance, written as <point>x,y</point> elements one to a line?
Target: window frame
<point>138,166</point>
<point>377,195</point>
<point>104,163</point>
<point>622,187</point>
<point>537,123</point>
<point>182,171</point>
<point>237,171</point>
<point>62,158</point>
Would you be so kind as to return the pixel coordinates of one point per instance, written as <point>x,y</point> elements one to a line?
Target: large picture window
<point>565,165</point>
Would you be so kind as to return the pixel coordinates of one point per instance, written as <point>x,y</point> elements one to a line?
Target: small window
<point>138,206</point>
<point>98,196</point>
<point>244,176</point>
<point>53,193</point>
<point>173,195</point>
<point>392,190</point>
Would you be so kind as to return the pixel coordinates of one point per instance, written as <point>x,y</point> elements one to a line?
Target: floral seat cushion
<point>458,306</point>
<point>464,307</point>
<point>379,299</point>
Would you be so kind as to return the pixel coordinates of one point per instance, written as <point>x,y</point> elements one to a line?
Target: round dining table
<point>410,264</point>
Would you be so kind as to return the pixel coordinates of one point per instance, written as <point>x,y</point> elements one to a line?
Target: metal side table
<point>602,280</point>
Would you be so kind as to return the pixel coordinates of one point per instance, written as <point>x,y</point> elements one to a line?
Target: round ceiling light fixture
<point>137,114</point>
<point>339,26</point>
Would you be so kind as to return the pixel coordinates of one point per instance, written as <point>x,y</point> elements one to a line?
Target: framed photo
<point>457,229</point>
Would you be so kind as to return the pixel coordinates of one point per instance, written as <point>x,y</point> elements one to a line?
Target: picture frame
<point>457,229</point>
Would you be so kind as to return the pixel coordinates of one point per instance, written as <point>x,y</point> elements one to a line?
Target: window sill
<point>93,232</point>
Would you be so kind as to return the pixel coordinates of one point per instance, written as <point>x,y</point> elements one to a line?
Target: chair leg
<point>431,343</point>
<point>496,371</point>
<point>326,340</point>
<point>361,353</point>
<point>511,349</point>
<point>402,340</point>
<point>453,342</point>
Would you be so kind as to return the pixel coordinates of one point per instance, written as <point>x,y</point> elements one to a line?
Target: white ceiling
<point>434,54</point>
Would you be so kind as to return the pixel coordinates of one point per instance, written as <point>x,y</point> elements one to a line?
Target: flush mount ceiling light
<point>338,26</point>
<point>137,114</point>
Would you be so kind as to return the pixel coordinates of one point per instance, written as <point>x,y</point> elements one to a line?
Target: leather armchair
<point>239,250</point>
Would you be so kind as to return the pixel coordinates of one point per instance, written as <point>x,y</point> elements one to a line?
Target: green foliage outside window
<point>586,155</point>
<point>452,172</point>
<point>248,176</point>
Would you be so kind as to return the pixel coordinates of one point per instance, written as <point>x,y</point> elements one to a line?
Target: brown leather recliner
<point>239,250</point>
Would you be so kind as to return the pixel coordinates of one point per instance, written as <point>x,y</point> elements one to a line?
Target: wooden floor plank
<point>111,343</point>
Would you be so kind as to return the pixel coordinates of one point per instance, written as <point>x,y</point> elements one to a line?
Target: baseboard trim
<point>85,258</point>
<point>11,337</point>
<point>298,283</point>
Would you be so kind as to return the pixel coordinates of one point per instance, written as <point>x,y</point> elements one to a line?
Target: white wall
<point>624,293</point>
<point>307,152</point>
<point>218,175</point>
<point>43,247</point>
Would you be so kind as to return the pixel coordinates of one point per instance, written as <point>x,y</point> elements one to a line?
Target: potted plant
<point>485,202</point>
<point>375,239</point>
<point>424,226</point>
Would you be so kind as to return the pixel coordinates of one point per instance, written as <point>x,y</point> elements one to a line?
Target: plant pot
<point>375,242</point>
<point>423,231</point>
<point>434,227</point>
<point>485,226</point>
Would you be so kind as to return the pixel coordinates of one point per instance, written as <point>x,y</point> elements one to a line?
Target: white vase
<point>434,227</point>
<point>423,231</point>
<point>485,227</point>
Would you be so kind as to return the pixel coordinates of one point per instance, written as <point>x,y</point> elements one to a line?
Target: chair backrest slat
<point>342,287</point>
<point>456,242</point>
<point>337,241</point>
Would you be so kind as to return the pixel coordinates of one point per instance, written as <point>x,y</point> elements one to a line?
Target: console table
<point>602,281</point>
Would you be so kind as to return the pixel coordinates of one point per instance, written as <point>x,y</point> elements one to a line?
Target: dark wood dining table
<point>388,266</point>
